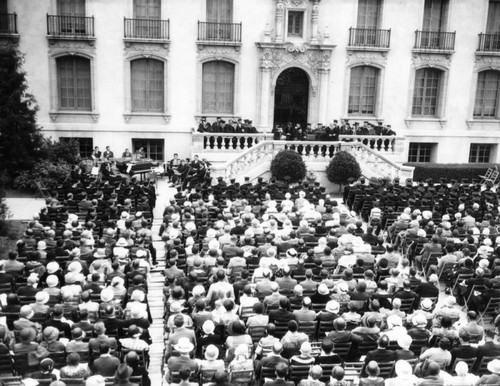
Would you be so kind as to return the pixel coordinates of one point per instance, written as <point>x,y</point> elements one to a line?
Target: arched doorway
<point>291,97</point>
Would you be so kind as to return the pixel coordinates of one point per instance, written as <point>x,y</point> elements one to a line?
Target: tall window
<point>421,152</point>
<point>493,22</point>
<point>486,104</point>
<point>363,90</point>
<point>147,9</point>
<point>218,87</point>
<point>369,13</point>
<point>153,148</point>
<point>480,153</point>
<point>435,15</point>
<point>74,84</point>
<point>147,85</point>
<point>427,93</point>
<point>295,23</point>
<point>220,11</point>
<point>71,7</point>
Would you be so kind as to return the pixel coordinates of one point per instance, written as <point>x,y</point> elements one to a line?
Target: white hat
<point>323,289</point>
<point>121,242</point>
<point>494,366</point>
<point>52,267</point>
<point>107,294</point>
<point>332,306</point>
<point>141,253</point>
<point>42,297</point>
<point>208,327</point>
<point>52,280</point>
<point>184,345</point>
<point>42,245</point>
<point>394,320</point>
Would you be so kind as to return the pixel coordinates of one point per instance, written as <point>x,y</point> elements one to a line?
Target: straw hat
<point>184,345</point>
<point>332,306</point>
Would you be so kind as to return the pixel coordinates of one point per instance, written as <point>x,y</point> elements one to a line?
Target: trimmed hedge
<point>288,163</point>
<point>448,171</point>
<point>342,167</point>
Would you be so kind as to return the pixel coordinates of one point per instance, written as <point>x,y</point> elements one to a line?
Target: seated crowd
<point>74,293</point>
<point>281,284</point>
<point>268,283</point>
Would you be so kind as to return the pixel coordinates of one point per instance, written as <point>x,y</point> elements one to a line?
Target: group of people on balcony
<point>332,132</point>
<point>238,126</point>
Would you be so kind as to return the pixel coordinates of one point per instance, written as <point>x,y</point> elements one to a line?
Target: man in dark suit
<point>407,293</point>
<point>281,372</point>
<point>281,314</point>
<point>464,350</point>
<point>106,364</point>
<point>57,322</point>
<point>272,359</point>
<point>380,354</point>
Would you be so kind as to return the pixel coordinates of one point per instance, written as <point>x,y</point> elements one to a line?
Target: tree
<point>20,137</point>
<point>342,167</point>
<point>288,163</point>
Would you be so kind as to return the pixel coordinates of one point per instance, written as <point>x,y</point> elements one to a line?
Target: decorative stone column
<point>280,16</point>
<point>323,95</point>
<point>265,72</point>
<point>314,22</point>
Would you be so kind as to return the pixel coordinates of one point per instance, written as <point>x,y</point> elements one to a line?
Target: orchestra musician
<point>127,154</point>
<point>172,167</point>
<point>108,153</point>
<point>139,154</point>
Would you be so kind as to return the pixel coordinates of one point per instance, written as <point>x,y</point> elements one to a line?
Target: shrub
<point>448,171</point>
<point>288,163</point>
<point>342,167</point>
<point>50,174</point>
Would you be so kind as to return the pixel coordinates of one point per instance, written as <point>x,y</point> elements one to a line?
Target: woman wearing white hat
<point>404,375</point>
<point>211,361</point>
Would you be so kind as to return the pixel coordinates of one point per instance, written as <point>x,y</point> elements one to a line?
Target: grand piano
<point>131,167</point>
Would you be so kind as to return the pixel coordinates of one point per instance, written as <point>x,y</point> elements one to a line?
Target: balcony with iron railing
<point>70,27</point>
<point>219,33</point>
<point>489,44</point>
<point>434,41</point>
<point>369,39</point>
<point>8,24</point>
<point>146,29</point>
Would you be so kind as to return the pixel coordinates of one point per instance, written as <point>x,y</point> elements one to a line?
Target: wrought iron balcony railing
<point>8,24</point>
<point>147,29</point>
<point>434,41</point>
<point>81,26</point>
<point>367,37</point>
<point>489,42</point>
<point>219,32</point>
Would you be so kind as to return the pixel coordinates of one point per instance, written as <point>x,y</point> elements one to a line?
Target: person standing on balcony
<point>204,126</point>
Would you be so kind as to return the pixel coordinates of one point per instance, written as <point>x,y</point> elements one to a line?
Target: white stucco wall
<point>403,17</point>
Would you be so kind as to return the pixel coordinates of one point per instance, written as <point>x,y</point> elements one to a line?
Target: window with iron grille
<point>74,83</point>
<point>363,90</point>
<point>218,87</point>
<point>480,153</point>
<point>153,148</point>
<point>427,92</point>
<point>420,152</point>
<point>86,145</point>
<point>295,23</point>
<point>486,103</point>
<point>147,85</point>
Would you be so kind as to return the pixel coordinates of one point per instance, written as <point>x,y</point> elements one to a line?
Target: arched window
<point>218,87</point>
<point>74,83</point>
<point>147,80</point>
<point>428,92</point>
<point>363,90</point>
<point>486,103</point>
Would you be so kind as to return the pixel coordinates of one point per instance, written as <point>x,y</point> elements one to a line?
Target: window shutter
<point>71,7</point>
<point>368,13</point>
<point>147,9</point>
<point>220,11</point>
<point>218,87</point>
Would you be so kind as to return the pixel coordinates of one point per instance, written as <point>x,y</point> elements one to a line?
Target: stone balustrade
<point>369,159</point>
<point>388,144</point>
<point>205,142</point>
